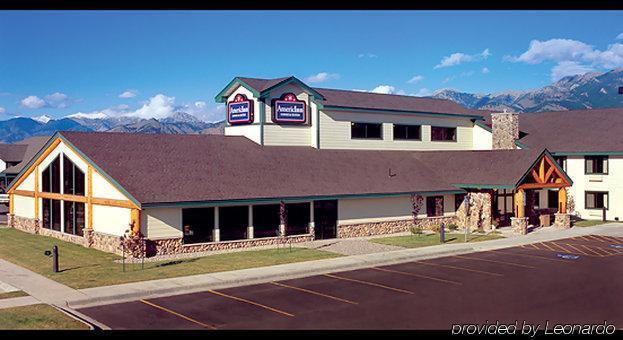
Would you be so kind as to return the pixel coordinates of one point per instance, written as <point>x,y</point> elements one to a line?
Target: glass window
<point>298,218</point>
<point>197,225</point>
<point>596,199</point>
<point>266,220</point>
<point>51,177</point>
<point>439,133</point>
<point>73,178</point>
<point>74,217</point>
<point>52,214</point>
<point>434,206</point>
<point>233,222</point>
<point>458,200</point>
<point>596,165</point>
<point>366,130</point>
<point>407,132</point>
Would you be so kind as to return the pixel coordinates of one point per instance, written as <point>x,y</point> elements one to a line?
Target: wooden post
<point>216,232</point>
<point>562,200</point>
<point>250,223</point>
<point>11,204</point>
<point>90,197</point>
<point>37,192</point>
<point>135,217</point>
<point>519,203</point>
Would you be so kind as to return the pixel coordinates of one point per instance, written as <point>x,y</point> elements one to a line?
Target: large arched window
<point>73,213</point>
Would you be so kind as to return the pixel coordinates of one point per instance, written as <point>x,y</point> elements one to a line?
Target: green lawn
<point>83,267</point>
<point>15,294</point>
<point>425,240</point>
<point>589,223</point>
<point>37,317</point>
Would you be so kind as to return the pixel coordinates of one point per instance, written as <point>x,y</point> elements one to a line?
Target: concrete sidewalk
<point>196,283</point>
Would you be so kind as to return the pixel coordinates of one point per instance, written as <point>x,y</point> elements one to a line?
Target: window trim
<point>443,205</point>
<point>603,158</point>
<point>564,162</point>
<point>366,138</point>
<point>394,125</point>
<point>596,192</point>
<point>456,134</point>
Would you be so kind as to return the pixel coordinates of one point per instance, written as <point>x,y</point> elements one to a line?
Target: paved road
<point>574,280</point>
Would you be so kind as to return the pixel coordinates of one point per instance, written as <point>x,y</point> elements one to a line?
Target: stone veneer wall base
<point>391,227</point>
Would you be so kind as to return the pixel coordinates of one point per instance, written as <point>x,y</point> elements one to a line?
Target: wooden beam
<point>562,200</point>
<point>36,163</point>
<point>11,204</point>
<point>542,170</point>
<point>542,185</point>
<point>549,173</point>
<point>89,196</point>
<point>114,203</point>
<point>37,192</point>
<point>26,193</point>
<point>135,220</point>
<point>63,197</point>
<point>519,208</point>
<point>536,176</point>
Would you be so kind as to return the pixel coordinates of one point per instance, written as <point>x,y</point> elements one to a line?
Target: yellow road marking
<point>495,261</point>
<point>460,268</point>
<point>603,250</point>
<point>548,247</point>
<point>535,246</point>
<point>178,314</point>
<point>606,238</point>
<point>576,249</point>
<point>561,247</point>
<point>590,249</point>
<point>530,255</point>
<point>593,238</point>
<point>585,238</point>
<point>369,283</point>
<point>418,275</point>
<point>278,311</point>
<point>314,292</point>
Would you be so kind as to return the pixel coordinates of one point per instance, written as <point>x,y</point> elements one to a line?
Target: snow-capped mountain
<point>590,90</point>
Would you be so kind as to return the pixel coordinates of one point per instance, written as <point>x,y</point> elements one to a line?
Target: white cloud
<point>423,92</point>
<point>128,94</point>
<point>415,79</point>
<point>89,115</point>
<point>385,89</point>
<point>2,110</point>
<point>485,70</point>
<point>584,56</point>
<point>568,68</point>
<point>322,77</point>
<point>33,102</point>
<point>367,55</point>
<point>57,100</point>
<point>620,36</point>
<point>460,58</point>
<point>158,106</point>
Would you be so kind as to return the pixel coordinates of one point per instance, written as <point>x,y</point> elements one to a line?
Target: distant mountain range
<point>587,91</point>
<point>590,90</point>
<point>17,129</point>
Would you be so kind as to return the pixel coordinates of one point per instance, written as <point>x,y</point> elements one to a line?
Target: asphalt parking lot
<point>574,280</point>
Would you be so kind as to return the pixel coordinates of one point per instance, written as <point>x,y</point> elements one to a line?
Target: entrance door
<point>325,217</point>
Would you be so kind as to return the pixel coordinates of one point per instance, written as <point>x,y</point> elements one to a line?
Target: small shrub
<point>480,230</point>
<point>453,226</point>
<point>416,230</point>
<point>435,228</point>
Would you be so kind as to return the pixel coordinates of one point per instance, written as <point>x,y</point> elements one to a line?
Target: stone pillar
<point>562,221</point>
<point>519,225</point>
<point>216,232</point>
<point>312,222</point>
<point>478,212</point>
<point>88,237</point>
<point>505,128</point>
<point>250,225</point>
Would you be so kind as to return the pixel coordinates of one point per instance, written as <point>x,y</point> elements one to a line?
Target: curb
<point>218,283</point>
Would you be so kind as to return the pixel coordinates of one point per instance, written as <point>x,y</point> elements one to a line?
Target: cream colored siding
<point>287,135</point>
<point>103,189</point>
<point>24,206</point>
<point>482,139</point>
<point>335,131</point>
<point>162,222</point>
<point>28,183</point>
<point>612,183</point>
<point>2,165</point>
<point>110,220</point>
<point>251,131</point>
<point>370,210</point>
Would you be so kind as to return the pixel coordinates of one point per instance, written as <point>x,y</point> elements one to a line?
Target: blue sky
<point>149,63</point>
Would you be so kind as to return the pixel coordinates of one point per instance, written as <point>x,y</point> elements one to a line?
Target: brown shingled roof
<point>591,130</point>
<point>374,101</point>
<point>31,146</point>
<point>188,168</point>
<point>12,152</point>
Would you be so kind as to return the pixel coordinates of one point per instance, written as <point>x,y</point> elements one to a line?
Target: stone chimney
<point>505,126</point>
